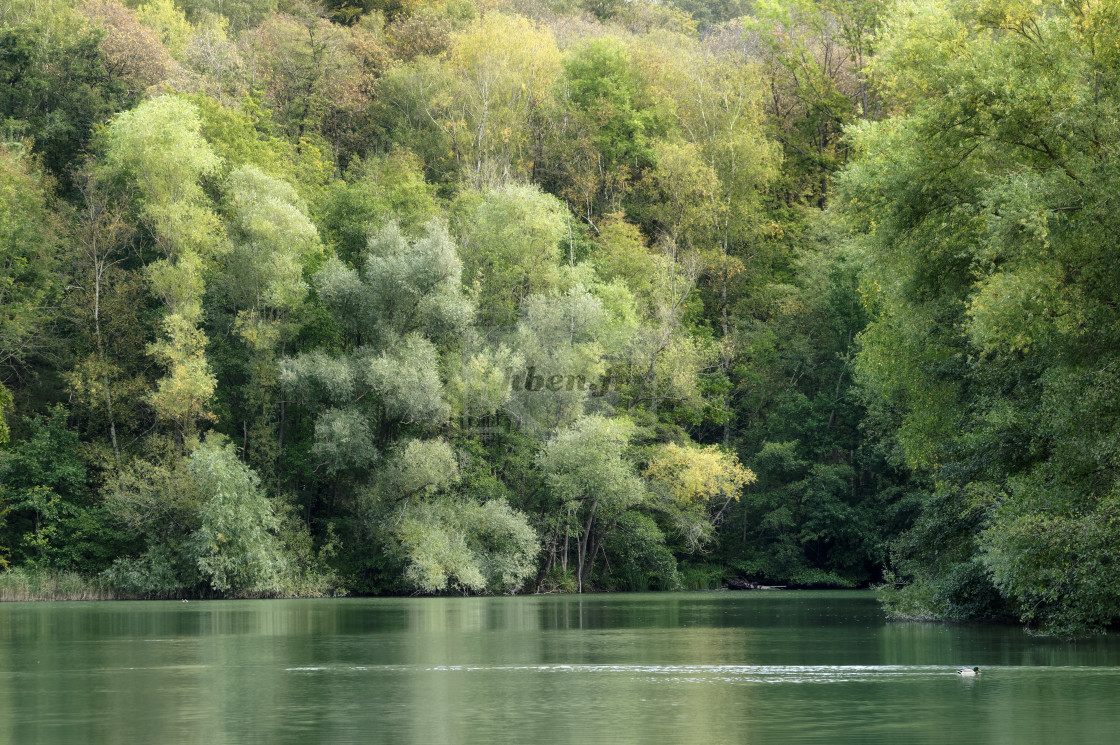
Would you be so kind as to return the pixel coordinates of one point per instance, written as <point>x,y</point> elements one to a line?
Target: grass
<point>24,584</point>
<point>30,584</point>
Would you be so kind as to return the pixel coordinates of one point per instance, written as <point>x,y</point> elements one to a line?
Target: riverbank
<point>25,585</point>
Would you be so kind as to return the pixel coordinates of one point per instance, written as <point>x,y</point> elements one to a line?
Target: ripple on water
<point>711,673</point>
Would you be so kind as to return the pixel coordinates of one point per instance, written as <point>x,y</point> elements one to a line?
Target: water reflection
<point>682,668</point>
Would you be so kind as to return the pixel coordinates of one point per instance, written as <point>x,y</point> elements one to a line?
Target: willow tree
<point>568,341</point>
<point>449,541</point>
<point>396,314</point>
<point>381,405</point>
<point>593,483</point>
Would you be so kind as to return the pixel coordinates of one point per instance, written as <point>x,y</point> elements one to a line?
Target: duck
<point>965,671</point>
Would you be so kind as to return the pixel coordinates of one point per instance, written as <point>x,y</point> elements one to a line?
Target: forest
<point>497,296</point>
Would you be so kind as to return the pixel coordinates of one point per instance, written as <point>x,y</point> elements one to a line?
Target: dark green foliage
<point>52,518</point>
<point>639,558</point>
<point>938,555</point>
<point>821,511</point>
<point>373,190</point>
<point>54,89</point>
<point>990,362</point>
<point>806,524</point>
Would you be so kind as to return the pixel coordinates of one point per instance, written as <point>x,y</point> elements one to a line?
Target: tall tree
<point>159,147</point>
<point>985,217</point>
<point>29,267</point>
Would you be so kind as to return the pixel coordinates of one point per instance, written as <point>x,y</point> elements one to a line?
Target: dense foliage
<point>552,295</point>
<point>990,361</point>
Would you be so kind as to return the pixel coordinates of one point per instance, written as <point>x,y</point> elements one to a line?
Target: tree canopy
<point>471,297</point>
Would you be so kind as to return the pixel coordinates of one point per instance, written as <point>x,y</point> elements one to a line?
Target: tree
<point>169,22</point>
<point>314,81</point>
<point>52,520</point>
<point>510,238</point>
<point>819,82</point>
<point>240,14</point>
<point>694,480</point>
<point>605,92</point>
<point>205,525</point>
<point>235,546</point>
<point>56,87</point>
<point>501,72</point>
<point>133,52</point>
<point>374,191</point>
<point>567,342</point>
<point>275,243</point>
<point>448,541</point>
<point>29,234</point>
<point>158,146</point>
<point>101,377</point>
<point>592,483</point>
<point>708,13</point>
<point>396,315</point>
<point>403,110</point>
<point>720,115</point>
<point>622,253</point>
<point>992,267</point>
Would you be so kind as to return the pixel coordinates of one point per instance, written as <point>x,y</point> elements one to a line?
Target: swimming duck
<point>967,672</point>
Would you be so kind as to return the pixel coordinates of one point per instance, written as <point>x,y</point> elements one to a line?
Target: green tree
<point>105,304</point>
<point>605,92</point>
<point>817,71</point>
<point>450,541</point>
<point>397,317</point>
<point>510,238</point>
<point>158,146</point>
<point>235,546</point>
<point>982,215</point>
<point>56,87</point>
<point>592,483</point>
<point>29,266</point>
<point>500,73</point>
<point>374,191</point>
<point>275,244</point>
<point>53,519</point>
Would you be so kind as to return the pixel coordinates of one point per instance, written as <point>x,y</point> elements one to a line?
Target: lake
<point>714,667</point>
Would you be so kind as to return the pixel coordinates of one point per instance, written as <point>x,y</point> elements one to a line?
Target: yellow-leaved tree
<point>500,71</point>
<point>696,484</point>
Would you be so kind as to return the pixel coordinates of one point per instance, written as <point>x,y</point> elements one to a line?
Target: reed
<point>25,584</point>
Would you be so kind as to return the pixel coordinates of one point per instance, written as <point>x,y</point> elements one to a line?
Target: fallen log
<point>745,584</point>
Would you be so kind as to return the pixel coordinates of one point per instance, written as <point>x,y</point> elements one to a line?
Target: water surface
<point>749,667</point>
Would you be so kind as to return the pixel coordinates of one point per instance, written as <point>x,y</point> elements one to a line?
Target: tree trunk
<point>584,540</point>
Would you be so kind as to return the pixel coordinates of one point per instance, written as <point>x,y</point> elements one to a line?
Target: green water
<point>761,667</point>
